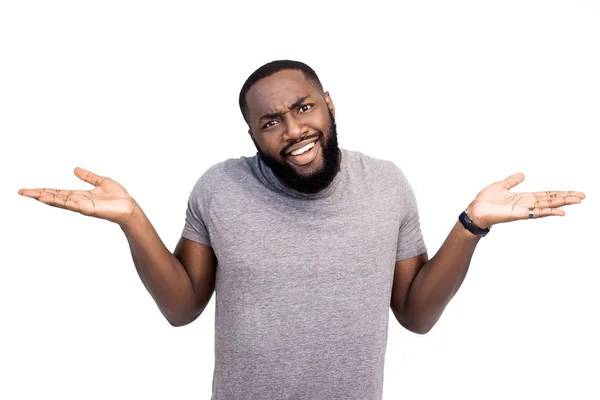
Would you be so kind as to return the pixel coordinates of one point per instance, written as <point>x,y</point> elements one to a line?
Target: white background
<point>458,94</point>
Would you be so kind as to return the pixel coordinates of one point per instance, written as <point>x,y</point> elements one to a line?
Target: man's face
<point>286,113</point>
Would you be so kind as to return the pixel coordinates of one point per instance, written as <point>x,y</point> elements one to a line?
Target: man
<point>306,245</point>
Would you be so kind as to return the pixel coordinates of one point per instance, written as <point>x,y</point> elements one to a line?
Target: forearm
<point>161,272</point>
<point>440,278</point>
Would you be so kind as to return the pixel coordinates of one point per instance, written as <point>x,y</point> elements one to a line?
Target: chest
<point>262,235</point>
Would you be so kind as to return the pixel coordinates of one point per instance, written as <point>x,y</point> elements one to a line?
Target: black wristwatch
<point>470,226</point>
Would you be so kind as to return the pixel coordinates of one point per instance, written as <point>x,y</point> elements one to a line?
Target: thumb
<point>512,180</point>
<point>88,176</point>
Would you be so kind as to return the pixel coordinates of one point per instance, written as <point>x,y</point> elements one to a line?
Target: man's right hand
<point>107,200</point>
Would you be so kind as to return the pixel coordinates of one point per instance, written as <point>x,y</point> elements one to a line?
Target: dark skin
<point>422,288</point>
<point>182,282</point>
<point>284,97</point>
<point>284,108</point>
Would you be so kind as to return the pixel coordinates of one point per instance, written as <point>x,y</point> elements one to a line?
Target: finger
<point>546,212</point>
<point>555,193</point>
<point>538,212</point>
<point>512,180</point>
<point>65,201</point>
<point>35,193</point>
<point>88,176</point>
<point>556,202</point>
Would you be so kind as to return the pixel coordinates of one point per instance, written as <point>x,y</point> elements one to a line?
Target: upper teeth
<point>303,149</point>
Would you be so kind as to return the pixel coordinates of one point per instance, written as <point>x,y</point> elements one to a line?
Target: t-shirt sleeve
<point>410,238</point>
<point>196,225</point>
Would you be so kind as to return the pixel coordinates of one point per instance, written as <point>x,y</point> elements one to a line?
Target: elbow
<point>422,329</point>
<point>418,327</point>
<point>423,325</point>
<point>414,323</point>
<point>183,315</point>
<point>178,323</point>
<point>177,319</point>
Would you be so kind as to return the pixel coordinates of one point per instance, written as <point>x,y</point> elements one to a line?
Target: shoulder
<point>209,176</point>
<point>219,176</point>
<point>223,170</point>
<point>384,171</point>
<point>381,173</point>
<point>228,176</point>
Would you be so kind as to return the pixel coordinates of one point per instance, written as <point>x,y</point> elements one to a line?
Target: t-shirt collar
<point>268,177</point>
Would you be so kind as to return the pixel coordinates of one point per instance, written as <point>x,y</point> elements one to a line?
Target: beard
<point>319,179</point>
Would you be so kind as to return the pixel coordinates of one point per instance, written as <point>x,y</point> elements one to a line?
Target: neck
<point>339,165</point>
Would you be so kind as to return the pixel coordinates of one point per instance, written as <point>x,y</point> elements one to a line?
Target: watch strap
<point>470,226</point>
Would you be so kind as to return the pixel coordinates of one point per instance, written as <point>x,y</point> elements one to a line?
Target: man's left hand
<point>496,203</point>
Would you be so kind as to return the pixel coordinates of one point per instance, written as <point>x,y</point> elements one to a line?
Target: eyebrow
<point>277,114</point>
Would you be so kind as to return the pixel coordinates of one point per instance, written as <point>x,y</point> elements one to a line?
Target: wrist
<point>134,219</point>
<point>470,225</point>
<point>476,218</point>
<point>466,233</point>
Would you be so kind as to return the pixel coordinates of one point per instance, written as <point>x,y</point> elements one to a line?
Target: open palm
<point>496,203</point>
<point>107,200</point>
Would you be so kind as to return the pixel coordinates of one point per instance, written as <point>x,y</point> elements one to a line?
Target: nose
<point>294,129</point>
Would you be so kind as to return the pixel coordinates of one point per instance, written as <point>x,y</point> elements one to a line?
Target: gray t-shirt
<point>303,281</point>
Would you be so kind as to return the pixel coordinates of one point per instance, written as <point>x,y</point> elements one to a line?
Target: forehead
<point>276,92</point>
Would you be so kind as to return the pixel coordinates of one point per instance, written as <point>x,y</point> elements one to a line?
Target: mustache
<point>318,135</point>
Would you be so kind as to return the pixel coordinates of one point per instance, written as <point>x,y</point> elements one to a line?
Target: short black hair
<point>271,68</point>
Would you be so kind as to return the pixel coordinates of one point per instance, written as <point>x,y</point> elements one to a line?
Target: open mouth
<point>305,154</point>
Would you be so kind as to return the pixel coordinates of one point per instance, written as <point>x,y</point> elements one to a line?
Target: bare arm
<point>422,289</point>
<point>181,283</point>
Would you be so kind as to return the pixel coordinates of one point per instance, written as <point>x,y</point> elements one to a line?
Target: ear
<point>329,103</point>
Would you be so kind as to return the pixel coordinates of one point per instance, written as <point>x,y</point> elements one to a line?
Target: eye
<point>269,124</point>
<point>305,107</point>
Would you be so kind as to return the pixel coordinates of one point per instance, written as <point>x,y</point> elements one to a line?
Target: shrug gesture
<point>180,291</point>
<point>496,203</point>
<point>107,200</point>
